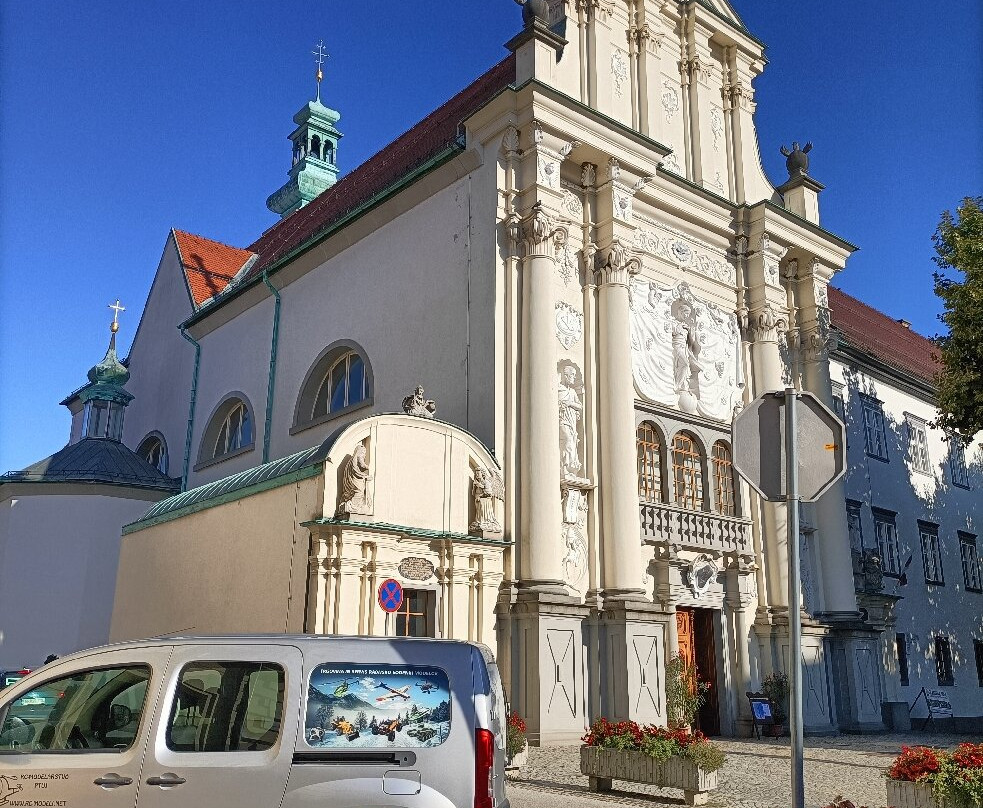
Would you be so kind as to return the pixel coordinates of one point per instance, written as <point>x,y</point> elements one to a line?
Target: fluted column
<point>765,328</point>
<point>620,526</point>
<point>540,565</point>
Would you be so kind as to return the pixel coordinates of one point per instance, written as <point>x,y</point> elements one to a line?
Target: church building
<point>499,363</point>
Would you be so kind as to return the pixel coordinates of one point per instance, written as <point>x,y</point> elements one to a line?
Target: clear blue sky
<point>121,120</point>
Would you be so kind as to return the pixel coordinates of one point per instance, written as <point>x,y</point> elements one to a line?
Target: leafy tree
<point>959,244</point>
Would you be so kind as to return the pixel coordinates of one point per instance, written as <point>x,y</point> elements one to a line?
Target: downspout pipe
<point>191,408</point>
<point>274,344</point>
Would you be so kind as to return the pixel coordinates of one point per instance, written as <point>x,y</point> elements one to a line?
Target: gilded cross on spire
<point>321,55</point>
<point>117,308</point>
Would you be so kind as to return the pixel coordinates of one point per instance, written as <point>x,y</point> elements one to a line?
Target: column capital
<point>537,230</point>
<point>765,324</point>
<point>619,264</point>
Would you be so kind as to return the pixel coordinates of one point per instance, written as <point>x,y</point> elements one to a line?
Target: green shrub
<point>706,755</point>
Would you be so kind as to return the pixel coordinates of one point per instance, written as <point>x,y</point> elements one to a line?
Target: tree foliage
<point>959,245</point>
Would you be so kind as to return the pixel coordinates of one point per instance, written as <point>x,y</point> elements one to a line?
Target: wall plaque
<point>416,569</point>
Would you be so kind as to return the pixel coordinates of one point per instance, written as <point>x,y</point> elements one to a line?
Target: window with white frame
<point>235,433</point>
<point>855,525</point>
<point>957,462</point>
<point>928,535</point>
<point>972,574</point>
<point>875,430</point>
<point>839,403</point>
<point>886,533</point>
<point>918,445</point>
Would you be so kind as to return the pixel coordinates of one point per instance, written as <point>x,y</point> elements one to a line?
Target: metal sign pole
<point>794,597</point>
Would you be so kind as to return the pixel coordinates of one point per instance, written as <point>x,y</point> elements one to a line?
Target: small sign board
<point>761,715</point>
<point>938,703</point>
<point>390,595</point>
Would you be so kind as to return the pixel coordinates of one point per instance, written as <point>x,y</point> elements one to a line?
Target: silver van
<point>258,722</point>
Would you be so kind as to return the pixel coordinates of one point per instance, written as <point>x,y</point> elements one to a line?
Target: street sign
<point>390,595</point>
<point>759,446</point>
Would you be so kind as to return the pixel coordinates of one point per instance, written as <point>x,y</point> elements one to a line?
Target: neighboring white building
<point>581,260</point>
<point>914,510</point>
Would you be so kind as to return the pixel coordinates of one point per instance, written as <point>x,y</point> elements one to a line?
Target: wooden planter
<point>905,794</point>
<point>605,765</point>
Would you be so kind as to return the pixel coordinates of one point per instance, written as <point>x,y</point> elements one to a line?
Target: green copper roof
<point>107,378</point>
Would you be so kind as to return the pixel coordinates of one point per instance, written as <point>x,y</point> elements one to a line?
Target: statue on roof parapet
<point>797,160</point>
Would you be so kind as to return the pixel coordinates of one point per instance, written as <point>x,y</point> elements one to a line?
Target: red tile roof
<point>439,130</point>
<point>875,333</point>
<point>208,265</point>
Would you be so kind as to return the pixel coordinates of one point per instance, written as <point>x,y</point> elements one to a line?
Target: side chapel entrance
<point>695,631</point>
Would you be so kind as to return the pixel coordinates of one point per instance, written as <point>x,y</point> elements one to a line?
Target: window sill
<point>878,458</point>
<point>331,416</point>
<point>934,583</point>
<point>222,458</point>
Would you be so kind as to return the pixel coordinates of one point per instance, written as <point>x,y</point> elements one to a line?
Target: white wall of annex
<point>926,610</point>
<point>58,560</point>
<point>161,364</point>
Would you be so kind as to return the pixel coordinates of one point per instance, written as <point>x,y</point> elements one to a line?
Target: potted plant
<point>516,745</point>
<point>660,756</point>
<point>923,777</point>
<point>685,693</point>
<point>775,687</point>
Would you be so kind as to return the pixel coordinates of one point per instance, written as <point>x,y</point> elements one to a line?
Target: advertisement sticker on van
<point>359,706</point>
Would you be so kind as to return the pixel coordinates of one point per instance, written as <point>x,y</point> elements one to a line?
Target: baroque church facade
<point>499,362</point>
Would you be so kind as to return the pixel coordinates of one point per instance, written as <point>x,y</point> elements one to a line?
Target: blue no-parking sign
<point>390,595</point>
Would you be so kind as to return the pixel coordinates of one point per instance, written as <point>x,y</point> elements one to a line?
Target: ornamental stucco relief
<point>549,170</point>
<point>671,163</point>
<point>571,203</point>
<point>355,497</point>
<point>488,489</point>
<point>685,351</point>
<point>619,70</point>
<point>683,250</point>
<point>574,508</point>
<point>571,400</point>
<point>716,126</point>
<point>569,325</point>
<point>670,99</point>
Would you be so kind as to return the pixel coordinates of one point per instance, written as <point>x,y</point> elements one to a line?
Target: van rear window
<point>365,706</point>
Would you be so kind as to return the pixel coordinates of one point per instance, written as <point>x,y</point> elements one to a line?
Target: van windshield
<point>366,706</point>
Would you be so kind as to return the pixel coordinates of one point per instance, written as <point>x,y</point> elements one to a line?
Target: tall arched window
<point>723,480</point>
<point>343,386</point>
<point>648,443</point>
<point>687,471</point>
<point>235,433</point>
<point>154,451</point>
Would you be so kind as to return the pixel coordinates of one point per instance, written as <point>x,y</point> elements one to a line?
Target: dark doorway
<point>697,646</point>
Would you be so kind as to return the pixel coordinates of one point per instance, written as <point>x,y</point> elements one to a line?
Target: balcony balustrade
<point>694,530</point>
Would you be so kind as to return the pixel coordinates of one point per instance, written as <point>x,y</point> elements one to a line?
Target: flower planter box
<point>905,794</point>
<point>518,759</point>
<point>605,765</point>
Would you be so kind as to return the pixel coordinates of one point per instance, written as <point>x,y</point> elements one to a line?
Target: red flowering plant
<point>660,743</point>
<point>515,735</point>
<point>955,777</point>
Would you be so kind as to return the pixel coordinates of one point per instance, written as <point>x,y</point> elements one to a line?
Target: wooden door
<point>685,634</point>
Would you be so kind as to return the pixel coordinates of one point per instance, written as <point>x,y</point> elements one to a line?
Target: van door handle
<point>166,779</point>
<point>113,780</point>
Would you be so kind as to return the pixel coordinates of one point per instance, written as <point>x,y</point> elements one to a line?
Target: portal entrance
<point>697,648</point>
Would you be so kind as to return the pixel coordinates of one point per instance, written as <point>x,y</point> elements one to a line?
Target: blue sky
<point>121,120</point>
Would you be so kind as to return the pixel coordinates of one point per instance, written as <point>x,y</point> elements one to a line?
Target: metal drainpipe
<point>191,409</point>
<point>272,376</point>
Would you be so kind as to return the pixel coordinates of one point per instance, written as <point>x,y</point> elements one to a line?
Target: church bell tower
<point>315,152</point>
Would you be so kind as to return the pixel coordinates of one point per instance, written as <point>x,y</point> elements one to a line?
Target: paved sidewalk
<point>756,774</point>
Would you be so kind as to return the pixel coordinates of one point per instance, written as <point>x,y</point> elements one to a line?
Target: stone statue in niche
<point>488,489</point>
<point>355,498</point>
<point>685,352</point>
<point>571,414</point>
<point>417,404</point>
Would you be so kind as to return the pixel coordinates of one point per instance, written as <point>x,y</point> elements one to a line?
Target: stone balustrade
<point>694,530</point>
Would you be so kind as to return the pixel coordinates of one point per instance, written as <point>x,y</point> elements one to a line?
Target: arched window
<point>339,380</point>
<point>235,433</point>
<point>316,146</point>
<point>154,451</point>
<point>648,443</point>
<point>723,480</point>
<point>328,152</point>
<point>687,471</point>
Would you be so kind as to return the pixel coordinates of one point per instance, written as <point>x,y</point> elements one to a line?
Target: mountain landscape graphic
<point>347,702</point>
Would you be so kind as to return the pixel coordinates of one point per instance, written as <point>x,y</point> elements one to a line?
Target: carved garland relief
<point>569,325</point>
<point>683,251</point>
<point>685,351</point>
<point>619,70</point>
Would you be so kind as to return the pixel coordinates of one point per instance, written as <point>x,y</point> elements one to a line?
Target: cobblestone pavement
<point>756,774</point>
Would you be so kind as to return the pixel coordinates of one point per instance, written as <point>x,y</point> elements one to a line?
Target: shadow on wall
<point>893,486</point>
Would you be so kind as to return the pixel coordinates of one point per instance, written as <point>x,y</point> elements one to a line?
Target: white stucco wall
<point>926,610</point>
<point>58,559</point>
<point>161,362</point>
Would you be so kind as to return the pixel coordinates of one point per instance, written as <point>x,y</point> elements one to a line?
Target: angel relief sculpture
<point>355,498</point>
<point>487,488</point>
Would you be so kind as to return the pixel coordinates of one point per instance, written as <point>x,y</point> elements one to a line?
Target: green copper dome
<point>106,379</point>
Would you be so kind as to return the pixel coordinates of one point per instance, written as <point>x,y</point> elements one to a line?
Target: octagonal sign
<point>759,446</point>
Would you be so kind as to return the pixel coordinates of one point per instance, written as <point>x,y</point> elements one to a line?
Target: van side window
<point>94,710</point>
<point>226,707</point>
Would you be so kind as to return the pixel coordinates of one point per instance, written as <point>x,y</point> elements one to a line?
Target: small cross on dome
<point>117,308</point>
